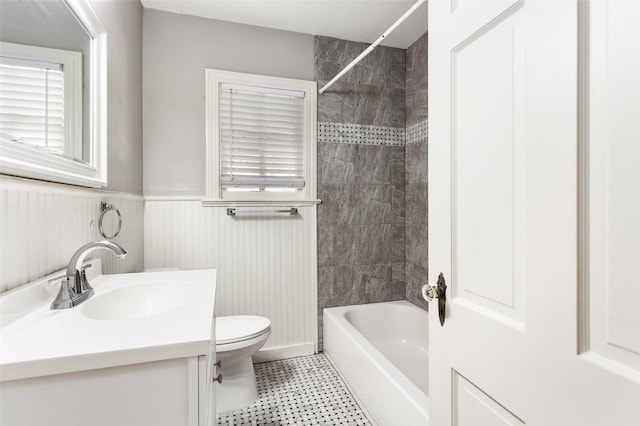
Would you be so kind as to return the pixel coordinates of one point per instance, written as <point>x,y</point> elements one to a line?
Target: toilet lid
<point>236,328</point>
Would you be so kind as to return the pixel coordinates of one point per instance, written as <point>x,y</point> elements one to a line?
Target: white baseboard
<point>283,352</point>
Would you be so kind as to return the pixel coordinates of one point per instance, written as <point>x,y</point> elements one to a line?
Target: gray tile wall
<point>416,263</point>
<point>416,84</point>
<point>361,224</point>
<point>416,260</point>
<point>373,92</point>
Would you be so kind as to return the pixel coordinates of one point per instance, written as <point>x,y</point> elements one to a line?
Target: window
<point>32,104</point>
<point>41,99</point>
<point>260,138</point>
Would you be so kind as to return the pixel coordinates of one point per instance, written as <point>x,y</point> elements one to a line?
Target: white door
<point>534,212</point>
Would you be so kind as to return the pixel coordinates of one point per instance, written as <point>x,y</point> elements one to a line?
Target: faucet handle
<point>65,297</point>
<point>55,280</point>
<point>84,286</point>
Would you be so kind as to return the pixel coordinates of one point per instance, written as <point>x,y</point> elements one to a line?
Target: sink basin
<point>139,300</point>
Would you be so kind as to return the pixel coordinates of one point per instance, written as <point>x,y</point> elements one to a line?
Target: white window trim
<point>19,160</point>
<point>214,194</point>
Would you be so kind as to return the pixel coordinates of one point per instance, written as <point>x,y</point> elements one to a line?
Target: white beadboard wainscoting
<point>42,224</point>
<point>266,263</point>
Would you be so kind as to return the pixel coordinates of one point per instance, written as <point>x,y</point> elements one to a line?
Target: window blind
<point>32,104</point>
<point>261,138</point>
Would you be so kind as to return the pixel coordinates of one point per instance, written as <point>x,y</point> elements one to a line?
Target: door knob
<point>438,291</point>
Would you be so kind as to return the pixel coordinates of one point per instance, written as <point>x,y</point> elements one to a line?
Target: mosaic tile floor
<point>298,391</point>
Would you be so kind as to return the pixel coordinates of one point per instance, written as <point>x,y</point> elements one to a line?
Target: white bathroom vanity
<point>141,351</point>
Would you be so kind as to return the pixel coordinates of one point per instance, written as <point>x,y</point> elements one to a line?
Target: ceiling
<point>355,20</point>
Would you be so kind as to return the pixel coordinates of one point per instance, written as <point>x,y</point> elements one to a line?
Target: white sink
<point>139,300</point>
<point>132,318</point>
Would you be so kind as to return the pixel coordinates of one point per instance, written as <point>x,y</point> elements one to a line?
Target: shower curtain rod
<point>373,45</point>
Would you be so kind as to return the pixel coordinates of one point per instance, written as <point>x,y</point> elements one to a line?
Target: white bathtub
<point>381,352</point>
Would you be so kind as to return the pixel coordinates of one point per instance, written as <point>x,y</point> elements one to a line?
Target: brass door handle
<point>438,291</point>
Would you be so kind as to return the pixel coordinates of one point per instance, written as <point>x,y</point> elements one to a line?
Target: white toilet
<point>238,337</point>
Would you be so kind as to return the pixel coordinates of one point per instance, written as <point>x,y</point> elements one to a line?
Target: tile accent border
<point>364,134</point>
<point>417,133</point>
<point>361,134</point>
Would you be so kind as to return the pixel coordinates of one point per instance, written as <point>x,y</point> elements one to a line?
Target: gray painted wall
<point>123,20</point>
<point>177,49</point>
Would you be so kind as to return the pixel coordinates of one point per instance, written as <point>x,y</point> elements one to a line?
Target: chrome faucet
<point>75,288</point>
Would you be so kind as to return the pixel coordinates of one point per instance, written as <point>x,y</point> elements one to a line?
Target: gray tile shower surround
<point>416,260</point>
<point>372,93</point>
<point>416,243</point>
<point>298,391</point>
<point>368,221</point>
<point>361,223</point>
<point>416,83</point>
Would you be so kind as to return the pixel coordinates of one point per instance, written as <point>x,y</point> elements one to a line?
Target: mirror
<point>53,91</point>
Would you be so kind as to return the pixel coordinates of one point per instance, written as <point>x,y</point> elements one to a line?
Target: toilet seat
<point>240,328</point>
